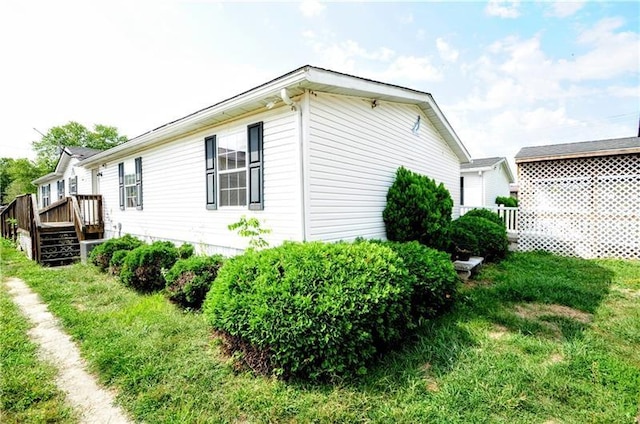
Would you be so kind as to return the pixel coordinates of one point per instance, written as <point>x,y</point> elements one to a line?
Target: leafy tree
<point>16,176</point>
<point>73,134</point>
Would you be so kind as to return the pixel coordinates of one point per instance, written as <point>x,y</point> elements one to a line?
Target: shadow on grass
<point>536,294</point>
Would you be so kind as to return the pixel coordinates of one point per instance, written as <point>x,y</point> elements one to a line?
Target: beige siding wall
<point>174,189</point>
<point>353,151</point>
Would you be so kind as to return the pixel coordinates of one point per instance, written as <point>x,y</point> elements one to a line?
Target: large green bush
<point>189,280</point>
<point>101,254</point>
<point>434,278</point>
<point>311,310</point>
<point>486,214</point>
<point>143,266</point>
<point>117,260</point>
<point>491,238</point>
<point>418,209</point>
<point>508,201</point>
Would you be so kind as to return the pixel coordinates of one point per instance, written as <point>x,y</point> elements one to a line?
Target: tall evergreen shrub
<point>418,209</point>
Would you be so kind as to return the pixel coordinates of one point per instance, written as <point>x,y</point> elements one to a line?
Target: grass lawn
<point>538,338</point>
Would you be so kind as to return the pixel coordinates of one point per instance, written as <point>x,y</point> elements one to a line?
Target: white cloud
<point>411,68</point>
<point>447,52</point>
<point>503,8</point>
<point>311,8</point>
<point>563,8</point>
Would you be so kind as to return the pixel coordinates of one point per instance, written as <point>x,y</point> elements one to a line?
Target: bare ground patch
<point>498,331</point>
<point>539,310</point>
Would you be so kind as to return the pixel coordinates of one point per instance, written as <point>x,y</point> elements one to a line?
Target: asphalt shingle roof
<point>587,148</point>
<point>81,152</point>
<point>481,163</point>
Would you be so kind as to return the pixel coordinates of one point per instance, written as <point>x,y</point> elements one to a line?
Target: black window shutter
<point>139,183</point>
<point>255,167</point>
<point>210,169</point>
<point>121,184</point>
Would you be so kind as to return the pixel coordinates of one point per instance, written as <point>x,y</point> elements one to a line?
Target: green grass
<point>538,338</point>
<point>27,390</point>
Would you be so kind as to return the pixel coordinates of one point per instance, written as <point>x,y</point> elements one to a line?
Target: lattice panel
<point>581,207</point>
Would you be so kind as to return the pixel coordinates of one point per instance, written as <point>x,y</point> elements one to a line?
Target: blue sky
<point>506,74</point>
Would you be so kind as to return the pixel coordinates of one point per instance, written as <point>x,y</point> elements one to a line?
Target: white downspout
<point>284,95</point>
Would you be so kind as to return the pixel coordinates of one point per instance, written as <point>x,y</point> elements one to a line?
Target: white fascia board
<point>194,121</point>
<point>49,177</point>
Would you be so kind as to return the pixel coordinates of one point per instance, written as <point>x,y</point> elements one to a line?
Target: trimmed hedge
<point>143,266</point>
<point>434,276</point>
<point>508,201</point>
<point>311,310</point>
<point>486,214</point>
<point>101,254</point>
<point>117,260</point>
<point>492,242</point>
<point>189,280</point>
<point>186,250</point>
<point>417,209</point>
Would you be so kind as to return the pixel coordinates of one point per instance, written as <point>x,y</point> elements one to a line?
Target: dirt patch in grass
<point>538,310</point>
<point>430,380</point>
<point>472,284</point>
<point>498,331</point>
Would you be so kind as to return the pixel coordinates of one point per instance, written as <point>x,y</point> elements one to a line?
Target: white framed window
<point>46,195</point>
<point>232,170</point>
<point>130,184</point>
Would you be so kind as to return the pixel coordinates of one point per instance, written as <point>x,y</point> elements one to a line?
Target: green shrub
<point>143,266</point>
<point>434,276</point>
<point>185,251</point>
<point>101,254</point>
<point>486,214</point>
<point>492,242</point>
<point>117,260</point>
<point>311,310</point>
<point>417,209</point>
<point>189,280</point>
<point>463,239</point>
<point>508,201</point>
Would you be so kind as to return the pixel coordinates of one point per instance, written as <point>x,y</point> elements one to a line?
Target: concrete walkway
<point>94,404</point>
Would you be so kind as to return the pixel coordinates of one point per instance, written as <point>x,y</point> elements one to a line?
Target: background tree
<point>73,134</point>
<point>16,176</point>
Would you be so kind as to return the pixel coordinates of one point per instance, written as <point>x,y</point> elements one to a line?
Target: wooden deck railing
<point>22,214</point>
<point>84,211</point>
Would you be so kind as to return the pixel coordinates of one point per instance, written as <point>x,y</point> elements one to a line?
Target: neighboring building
<point>581,199</point>
<point>68,178</point>
<point>311,154</point>
<point>482,180</point>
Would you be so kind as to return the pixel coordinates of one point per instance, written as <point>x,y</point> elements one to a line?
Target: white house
<point>68,178</point>
<point>311,154</point>
<point>482,180</point>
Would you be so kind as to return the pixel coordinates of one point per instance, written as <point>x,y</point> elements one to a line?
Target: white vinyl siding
<point>354,151</point>
<point>175,189</point>
<point>473,191</point>
<point>496,184</point>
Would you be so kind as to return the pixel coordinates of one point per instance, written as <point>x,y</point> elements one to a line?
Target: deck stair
<point>59,244</point>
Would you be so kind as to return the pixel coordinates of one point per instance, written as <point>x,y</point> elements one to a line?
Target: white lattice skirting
<point>581,207</point>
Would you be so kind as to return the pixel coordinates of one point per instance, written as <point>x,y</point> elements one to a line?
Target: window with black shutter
<point>210,170</point>
<point>255,166</point>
